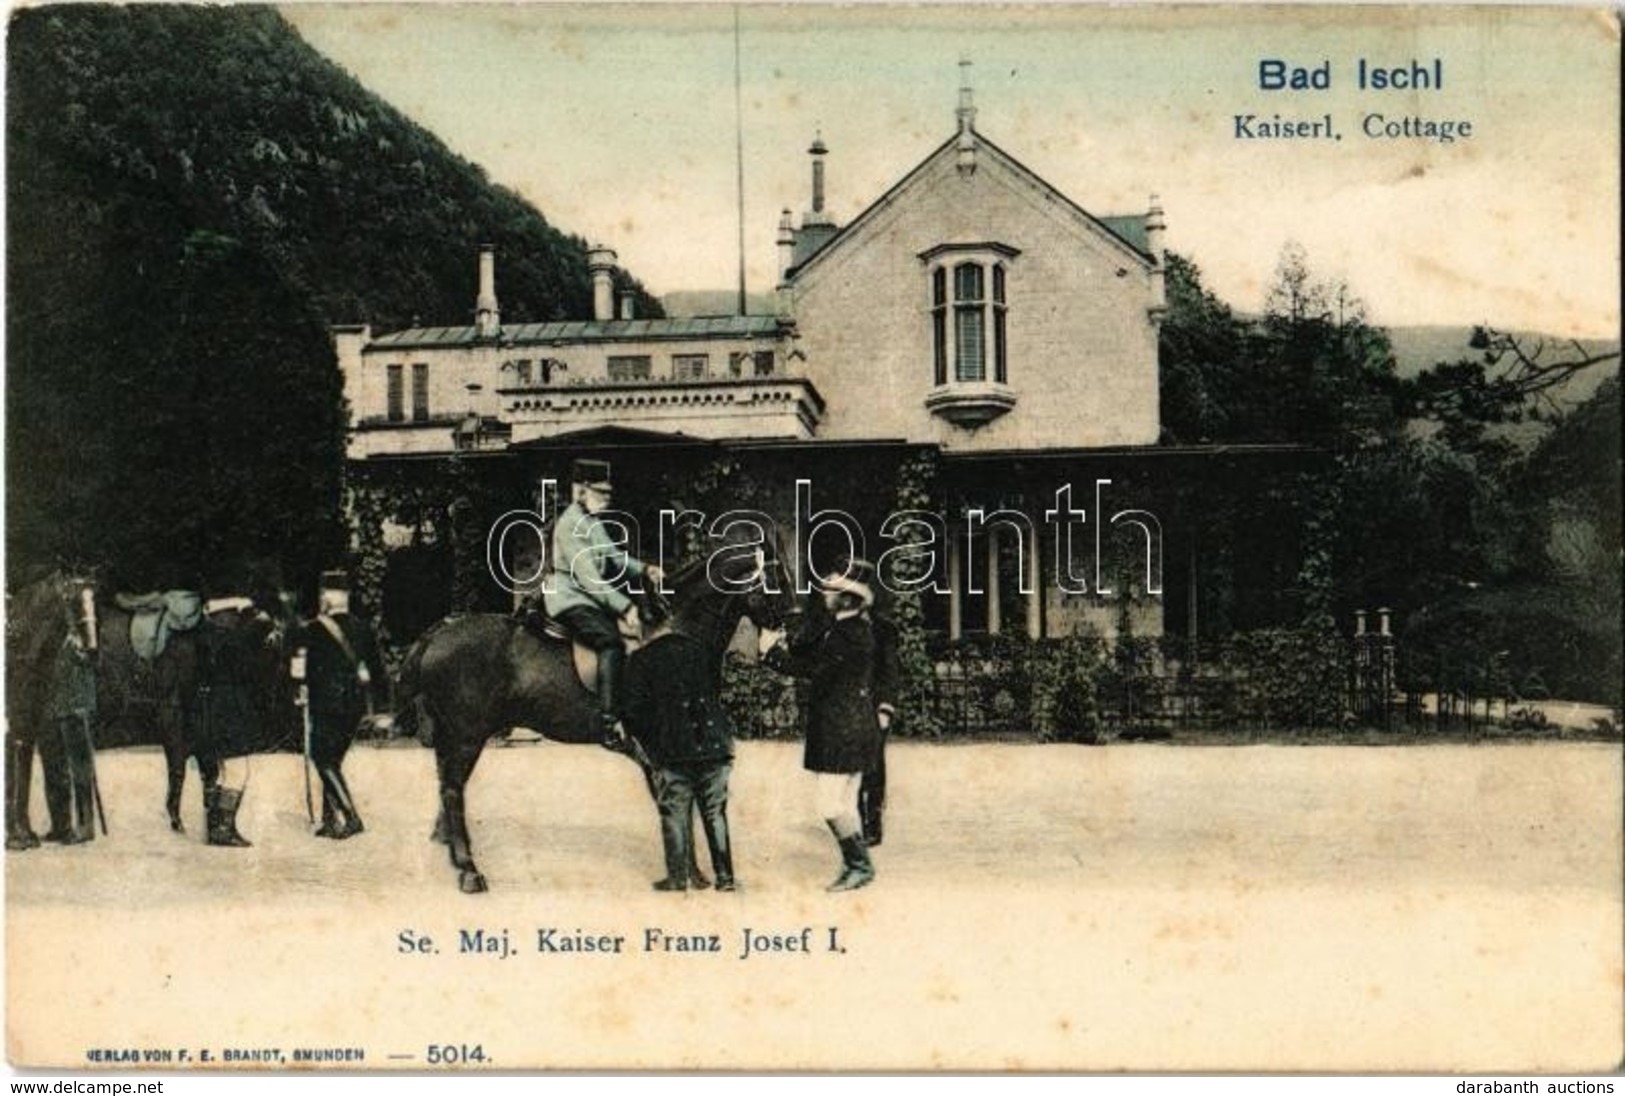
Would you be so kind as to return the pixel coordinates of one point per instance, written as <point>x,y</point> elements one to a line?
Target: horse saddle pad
<point>154,616</point>
<point>584,657</point>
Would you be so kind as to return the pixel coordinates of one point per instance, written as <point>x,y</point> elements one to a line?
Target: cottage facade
<point>972,312</point>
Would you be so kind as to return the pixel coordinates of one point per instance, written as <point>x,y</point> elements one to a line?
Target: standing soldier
<point>843,735</point>
<point>586,564</point>
<point>673,710</point>
<point>228,720</point>
<point>66,749</point>
<point>343,682</point>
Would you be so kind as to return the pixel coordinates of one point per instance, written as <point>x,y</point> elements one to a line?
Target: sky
<point>619,123</point>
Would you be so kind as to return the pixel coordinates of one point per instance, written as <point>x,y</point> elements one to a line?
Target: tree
<point>1321,374</point>
<point>193,195</point>
<point>1514,378</point>
<point>1200,348</point>
<point>1311,370</point>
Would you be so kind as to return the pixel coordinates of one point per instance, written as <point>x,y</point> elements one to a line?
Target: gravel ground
<point>1143,907</point>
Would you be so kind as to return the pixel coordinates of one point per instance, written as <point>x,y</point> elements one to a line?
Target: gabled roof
<point>579,331</point>
<point>1117,229</point>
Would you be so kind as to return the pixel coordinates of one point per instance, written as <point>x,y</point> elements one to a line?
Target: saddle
<point>532,614</point>
<point>154,616</point>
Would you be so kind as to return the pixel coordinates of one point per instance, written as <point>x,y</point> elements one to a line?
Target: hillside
<point>224,119</point>
<point>1419,347</point>
<point>716,302</point>
<point>193,195</point>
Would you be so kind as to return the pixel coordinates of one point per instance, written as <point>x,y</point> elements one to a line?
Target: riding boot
<point>339,815</point>
<point>331,823</point>
<point>84,809</point>
<point>222,804</point>
<point>857,870</point>
<point>609,678</point>
<point>19,783</point>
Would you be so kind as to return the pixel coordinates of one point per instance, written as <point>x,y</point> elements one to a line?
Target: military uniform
<point>585,565</point>
<point>67,752</point>
<point>673,710</point>
<point>343,678</point>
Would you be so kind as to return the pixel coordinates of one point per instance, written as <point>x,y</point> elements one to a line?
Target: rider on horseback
<point>585,564</point>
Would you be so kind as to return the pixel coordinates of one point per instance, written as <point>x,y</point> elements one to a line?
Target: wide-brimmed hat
<point>593,474</point>
<point>855,579</point>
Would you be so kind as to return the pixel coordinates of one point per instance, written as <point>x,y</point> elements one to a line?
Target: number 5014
<point>455,1054</point>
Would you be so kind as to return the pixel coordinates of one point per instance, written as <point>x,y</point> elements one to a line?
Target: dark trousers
<point>679,789</point>
<point>331,733</point>
<point>872,795</point>
<point>598,631</point>
<point>19,784</point>
<point>68,760</point>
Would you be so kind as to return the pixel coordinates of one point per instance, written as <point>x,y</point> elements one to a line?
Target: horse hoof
<point>471,882</point>
<point>176,826</point>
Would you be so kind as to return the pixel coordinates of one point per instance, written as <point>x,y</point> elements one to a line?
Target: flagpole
<point>739,158</point>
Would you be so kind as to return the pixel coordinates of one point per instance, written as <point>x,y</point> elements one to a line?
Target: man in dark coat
<point>836,658</point>
<point>67,746</point>
<point>888,677</point>
<point>672,709</point>
<point>344,680</point>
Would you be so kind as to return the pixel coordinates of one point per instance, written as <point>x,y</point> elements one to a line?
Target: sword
<point>310,803</point>
<point>296,670</point>
<point>92,640</point>
<point>95,785</point>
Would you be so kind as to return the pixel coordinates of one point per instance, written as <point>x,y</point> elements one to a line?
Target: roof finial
<point>967,103</point>
<point>967,120</point>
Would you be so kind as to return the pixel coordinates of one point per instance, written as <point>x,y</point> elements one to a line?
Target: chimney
<point>1155,225</point>
<point>487,318</point>
<point>787,244</point>
<point>817,215</point>
<point>967,120</point>
<point>628,305</point>
<point>601,262</point>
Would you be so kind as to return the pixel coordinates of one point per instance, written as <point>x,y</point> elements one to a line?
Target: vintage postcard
<point>757,537</point>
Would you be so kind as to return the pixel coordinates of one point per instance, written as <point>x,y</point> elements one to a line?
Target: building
<point>973,328</point>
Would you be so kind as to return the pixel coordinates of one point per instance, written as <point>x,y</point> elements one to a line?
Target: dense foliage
<point>193,195</point>
<point>1466,497</point>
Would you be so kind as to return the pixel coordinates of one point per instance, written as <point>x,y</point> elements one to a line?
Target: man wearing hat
<point>586,564</point>
<point>344,680</point>
<point>837,660</point>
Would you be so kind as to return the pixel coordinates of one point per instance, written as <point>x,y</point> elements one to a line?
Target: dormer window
<point>970,330</point>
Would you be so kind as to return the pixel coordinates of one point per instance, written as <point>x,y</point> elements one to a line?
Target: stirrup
<point>615,739</point>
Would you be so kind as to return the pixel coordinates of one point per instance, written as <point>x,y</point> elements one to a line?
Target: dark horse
<point>218,690</point>
<point>473,677</point>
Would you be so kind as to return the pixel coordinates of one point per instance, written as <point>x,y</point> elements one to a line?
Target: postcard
<point>1004,538</point>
